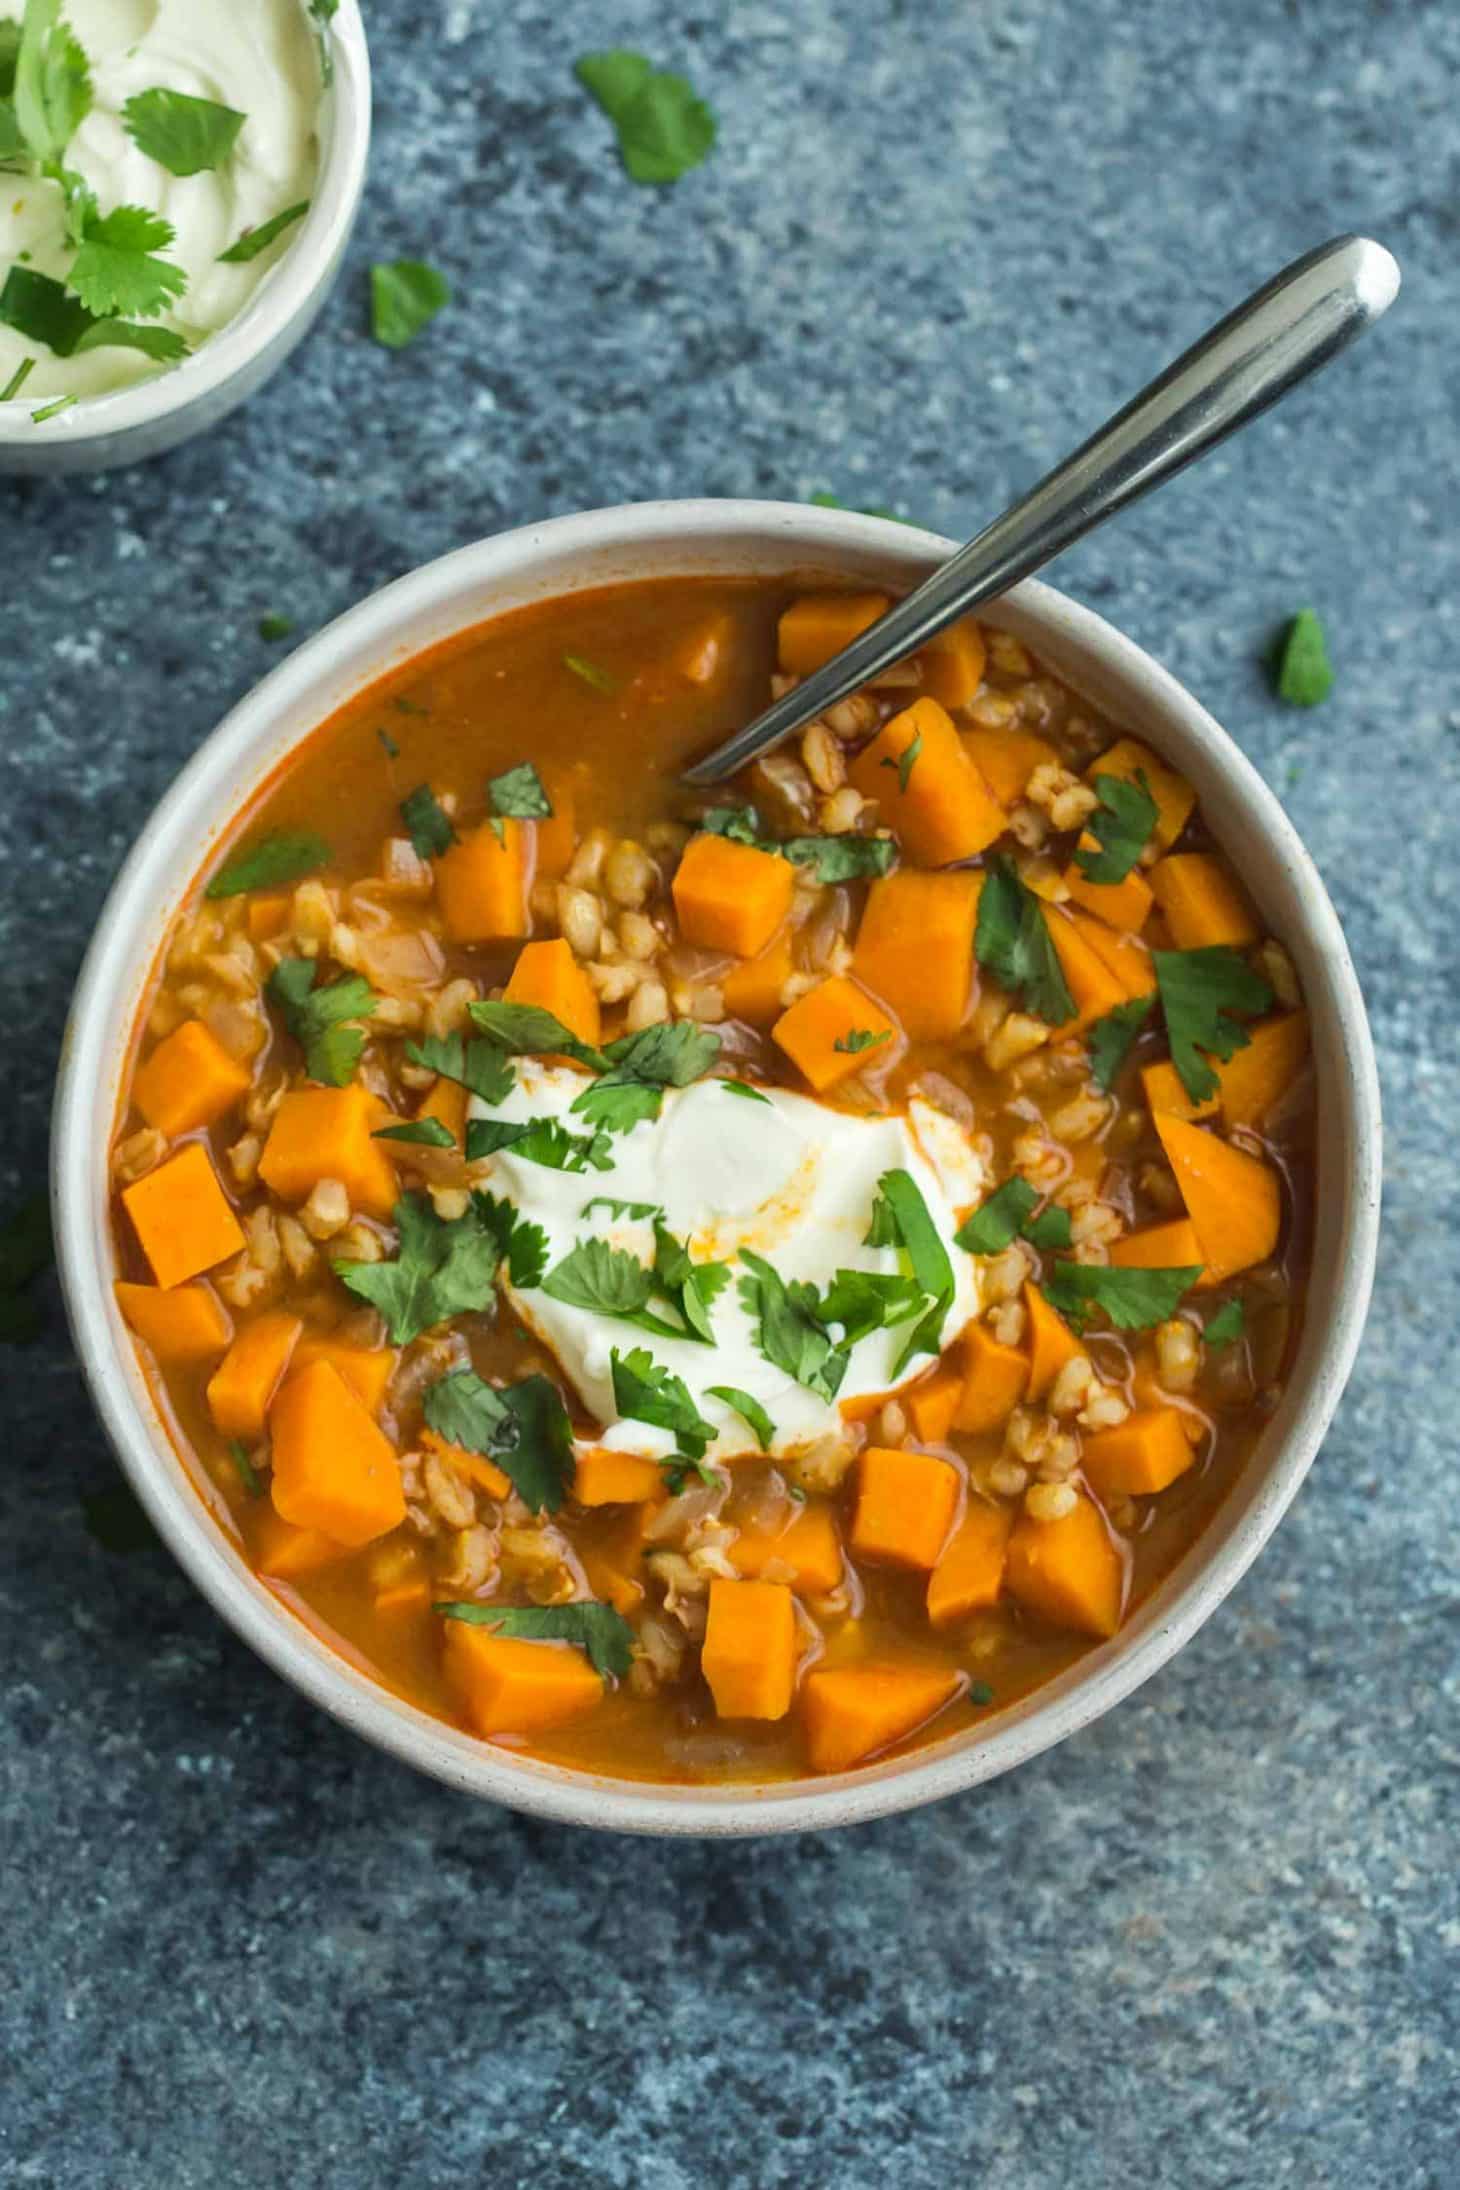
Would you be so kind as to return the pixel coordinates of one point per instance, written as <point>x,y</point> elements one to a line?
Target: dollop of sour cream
<point>260,57</point>
<point>788,1178</point>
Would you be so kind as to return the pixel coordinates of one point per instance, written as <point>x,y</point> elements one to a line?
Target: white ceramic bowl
<point>157,414</point>
<point>660,540</point>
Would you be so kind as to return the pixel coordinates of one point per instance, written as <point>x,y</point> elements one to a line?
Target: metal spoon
<point>1311,311</point>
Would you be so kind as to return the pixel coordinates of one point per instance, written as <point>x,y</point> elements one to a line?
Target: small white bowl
<point>128,424</point>
<point>669,539</point>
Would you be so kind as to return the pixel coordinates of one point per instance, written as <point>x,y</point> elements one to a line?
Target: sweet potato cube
<point>188,1081</point>
<point>1125,905</point>
<point>933,797</point>
<point>603,1477</point>
<point>994,1380</point>
<point>1203,902</point>
<point>915,949</point>
<point>1093,984</point>
<point>933,1403</point>
<point>1128,958</point>
<point>970,1574</point>
<point>613,1559</point>
<point>808,1546</point>
<point>851,1713</point>
<point>1171,1246</point>
<point>507,1686</point>
<point>1161,1085</point>
<point>904,1507</point>
<point>285,1552</point>
<point>325,1133</point>
<point>482,884</point>
<point>953,663</point>
<point>814,628</point>
<point>549,975</point>
<point>268,914</point>
<point>749,1653</point>
<point>245,1380</point>
<point>446,1102</point>
<point>475,1466</point>
<point>1254,1078</point>
<point>1006,759</point>
<point>823,1032</point>
<point>1051,1342</point>
<point>186,1323</point>
<point>333,1469</point>
<point>752,990</point>
<point>729,896</point>
<point>1070,1572</point>
<point>1233,1200</point>
<point>366,1369</point>
<point>1138,1456</point>
<point>555,838</point>
<point>182,1218</point>
<point>1173,795</point>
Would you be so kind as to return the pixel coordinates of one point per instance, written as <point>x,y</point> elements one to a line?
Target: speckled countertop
<point>1213,1940</point>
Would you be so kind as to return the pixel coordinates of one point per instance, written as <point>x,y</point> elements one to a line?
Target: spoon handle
<point>1297,322</point>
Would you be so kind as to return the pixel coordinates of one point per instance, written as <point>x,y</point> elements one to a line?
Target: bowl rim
<point>286,292</point>
<point>128,926</point>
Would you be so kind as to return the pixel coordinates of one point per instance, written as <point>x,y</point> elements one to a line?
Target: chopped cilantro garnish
<point>186,135</point>
<point>1199,990</point>
<point>646,1392</point>
<point>317,1017</point>
<point>790,1333</point>
<point>858,1039</point>
<point>906,761</point>
<point>590,673</point>
<point>979,1693</point>
<point>863,1301</point>
<point>692,1286</point>
<point>17,380</point>
<point>745,1404</point>
<point>1112,1038</point>
<point>1302,671</point>
<point>743,1088</point>
<point>663,128</point>
<point>517,795</point>
<point>1012,939</point>
<point>540,1140</point>
<point>528,1030</point>
<point>1051,1228</point>
<point>524,1427</point>
<point>40,309</point>
<point>246,1471</point>
<point>441,1269</point>
<point>117,274</point>
<point>997,1222</point>
<point>52,83</point>
<point>640,1066</point>
<point>274,627</point>
<point>478,1065</point>
<point>898,1193</point>
<point>524,1244</point>
<point>388,745</point>
<point>26,1251</point>
<point>53,410</point>
<point>421,1132</point>
<point>1227,1324</point>
<point>405,296</point>
<point>427,823</point>
<point>1134,1300</point>
<point>255,240</point>
<point>604,1634</point>
<point>832,859</point>
<point>636,1210</point>
<point>607,1281</point>
<point>285,856</point>
<point>1121,825</point>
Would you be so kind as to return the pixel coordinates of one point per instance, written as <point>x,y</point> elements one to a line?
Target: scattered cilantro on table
<point>405,296</point>
<point>318,1018</point>
<point>1302,673</point>
<point>605,1635</point>
<point>274,627</point>
<point>663,128</point>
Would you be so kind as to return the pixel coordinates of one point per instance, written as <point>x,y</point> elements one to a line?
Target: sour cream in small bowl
<point>299,75</point>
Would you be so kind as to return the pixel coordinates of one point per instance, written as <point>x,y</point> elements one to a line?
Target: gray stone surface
<point>1212,1941</point>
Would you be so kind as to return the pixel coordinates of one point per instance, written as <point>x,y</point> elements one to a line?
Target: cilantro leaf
<point>906,761</point>
<point>272,627</point>
<point>858,1039</point>
<point>741,824</point>
<point>539,1140</point>
<point>762,1427</point>
<point>636,1210</point>
<point>419,1132</point>
<point>744,1089</point>
<point>186,135</point>
<point>9,53</point>
<point>253,241</point>
<point>671,1053</point>
<point>863,1301</point>
<point>664,130</point>
<point>1134,1300</point>
<point>692,1286</point>
<point>590,673</point>
<point>316,1017</point>
<point>1111,1039</point>
<point>52,82</point>
<point>40,309</point>
<point>528,1030</point>
<point>997,1222</point>
<point>427,823</point>
<point>1302,671</point>
<point>604,1634</point>
<point>479,1066</point>
<point>1121,825</point>
<point>440,1269</point>
<point>523,1243</point>
<point>1227,1324</point>
<point>832,858</point>
<point>405,296</point>
<point>246,1471</point>
<point>287,855</point>
<point>647,1392</point>
<point>919,1237</point>
<point>117,273</point>
<point>26,1250</point>
<point>1198,990</point>
<point>1051,1228</point>
<point>17,379</point>
<point>524,1427</point>
<point>517,795</point>
<point>790,1333</point>
<point>883,1230</point>
<point>606,1281</point>
<point>1013,940</point>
